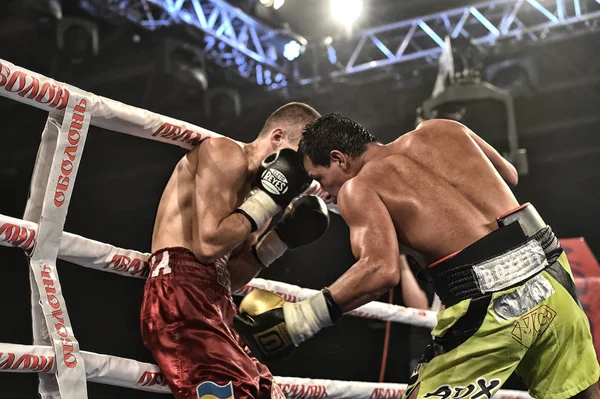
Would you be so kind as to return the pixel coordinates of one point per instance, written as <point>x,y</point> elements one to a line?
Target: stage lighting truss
<point>237,41</point>
<point>485,24</point>
<point>233,39</point>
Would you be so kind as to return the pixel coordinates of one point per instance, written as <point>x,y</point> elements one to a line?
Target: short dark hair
<point>333,132</point>
<point>292,114</point>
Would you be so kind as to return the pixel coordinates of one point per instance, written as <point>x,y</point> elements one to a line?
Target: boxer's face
<point>331,177</point>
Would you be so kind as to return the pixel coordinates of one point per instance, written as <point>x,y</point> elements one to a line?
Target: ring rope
<point>100,256</point>
<point>127,373</point>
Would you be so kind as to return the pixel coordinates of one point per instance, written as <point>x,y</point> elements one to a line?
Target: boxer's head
<point>331,148</point>
<point>283,128</point>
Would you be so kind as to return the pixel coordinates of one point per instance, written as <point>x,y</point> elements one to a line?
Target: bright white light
<point>277,4</point>
<point>292,50</point>
<point>267,3</point>
<point>346,11</point>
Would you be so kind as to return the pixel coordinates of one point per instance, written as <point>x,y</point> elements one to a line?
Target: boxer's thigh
<point>476,368</point>
<point>211,354</point>
<point>479,343</point>
<point>562,362</point>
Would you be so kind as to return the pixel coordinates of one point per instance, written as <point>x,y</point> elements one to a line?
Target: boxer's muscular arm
<point>221,172</point>
<point>374,244</point>
<point>243,265</point>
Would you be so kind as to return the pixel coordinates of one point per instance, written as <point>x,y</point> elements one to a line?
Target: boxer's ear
<point>336,157</point>
<point>276,138</point>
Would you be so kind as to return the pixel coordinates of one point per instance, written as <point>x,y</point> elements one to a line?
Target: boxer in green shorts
<point>516,310</point>
<point>510,301</point>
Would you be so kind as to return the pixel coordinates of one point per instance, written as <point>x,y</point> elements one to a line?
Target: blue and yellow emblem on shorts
<point>210,390</point>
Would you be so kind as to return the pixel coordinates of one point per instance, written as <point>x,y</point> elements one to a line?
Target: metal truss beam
<point>485,24</point>
<point>232,38</point>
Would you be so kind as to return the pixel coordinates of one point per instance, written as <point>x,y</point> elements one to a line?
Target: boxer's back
<point>173,223</point>
<point>441,190</point>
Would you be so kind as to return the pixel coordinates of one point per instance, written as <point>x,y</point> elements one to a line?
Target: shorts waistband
<point>162,261</point>
<point>522,246</point>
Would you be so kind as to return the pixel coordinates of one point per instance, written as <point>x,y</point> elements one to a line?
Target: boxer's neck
<point>373,151</point>
<point>256,151</point>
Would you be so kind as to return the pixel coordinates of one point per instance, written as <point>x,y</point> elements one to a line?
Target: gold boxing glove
<point>261,324</point>
<point>272,327</point>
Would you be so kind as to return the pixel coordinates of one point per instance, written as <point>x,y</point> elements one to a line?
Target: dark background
<point>121,177</point>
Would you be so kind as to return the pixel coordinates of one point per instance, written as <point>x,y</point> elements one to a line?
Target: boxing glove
<point>272,327</point>
<point>261,325</point>
<point>304,222</point>
<point>280,178</point>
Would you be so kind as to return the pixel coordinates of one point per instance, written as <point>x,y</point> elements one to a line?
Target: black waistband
<point>454,279</point>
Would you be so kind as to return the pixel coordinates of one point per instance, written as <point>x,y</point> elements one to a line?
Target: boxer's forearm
<point>364,282</point>
<point>242,269</point>
<point>243,265</point>
<point>216,242</point>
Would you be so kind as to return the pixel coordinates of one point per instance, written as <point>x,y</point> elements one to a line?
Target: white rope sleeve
<point>38,91</point>
<point>76,249</point>
<point>118,371</point>
<point>100,256</point>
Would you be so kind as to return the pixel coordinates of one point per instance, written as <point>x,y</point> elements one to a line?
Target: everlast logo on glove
<point>274,181</point>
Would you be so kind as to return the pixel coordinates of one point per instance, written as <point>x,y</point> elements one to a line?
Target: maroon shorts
<point>186,320</point>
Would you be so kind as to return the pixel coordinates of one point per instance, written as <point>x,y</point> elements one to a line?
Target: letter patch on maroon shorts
<point>210,390</point>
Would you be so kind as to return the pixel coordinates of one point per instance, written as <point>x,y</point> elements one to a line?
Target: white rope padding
<point>48,385</point>
<point>100,256</point>
<point>127,373</point>
<point>70,374</point>
<point>33,89</point>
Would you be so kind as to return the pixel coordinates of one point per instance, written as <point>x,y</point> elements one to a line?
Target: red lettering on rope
<point>69,360</point>
<point>177,133</point>
<point>18,236</point>
<point>150,378</point>
<point>122,263</point>
<point>70,153</point>
<point>4,74</point>
<point>5,364</point>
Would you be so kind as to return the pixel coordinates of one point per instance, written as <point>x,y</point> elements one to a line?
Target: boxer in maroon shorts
<point>217,203</point>
<point>186,314</point>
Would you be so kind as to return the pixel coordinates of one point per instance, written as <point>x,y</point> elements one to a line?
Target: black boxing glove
<point>304,222</point>
<point>280,178</point>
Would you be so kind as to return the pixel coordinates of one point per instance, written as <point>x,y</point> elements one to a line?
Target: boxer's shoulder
<point>222,150</point>
<point>221,144</point>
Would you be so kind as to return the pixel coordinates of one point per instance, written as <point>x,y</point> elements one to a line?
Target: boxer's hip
<point>511,300</point>
<point>180,291</point>
<point>521,248</point>
<point>180,263</point>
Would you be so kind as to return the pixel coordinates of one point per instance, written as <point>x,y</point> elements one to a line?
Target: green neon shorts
<point>537,329</point>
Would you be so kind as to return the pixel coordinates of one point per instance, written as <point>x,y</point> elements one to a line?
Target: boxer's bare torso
<point>441,190</point>
<point>186,202</point>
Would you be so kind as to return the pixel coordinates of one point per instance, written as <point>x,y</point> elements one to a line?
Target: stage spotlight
<point>346,11</point>
<point>267,3</point>
<point>278,3</point>
<point>292,50</point>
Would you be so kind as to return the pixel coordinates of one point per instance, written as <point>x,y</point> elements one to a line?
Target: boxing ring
<point>55,354</point>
